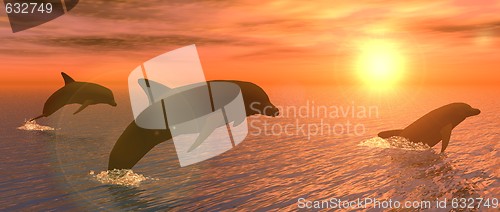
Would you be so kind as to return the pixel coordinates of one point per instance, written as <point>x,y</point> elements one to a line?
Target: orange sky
<point>312,42</point>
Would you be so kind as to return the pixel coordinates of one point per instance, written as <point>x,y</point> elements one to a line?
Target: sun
<point>380,63</point>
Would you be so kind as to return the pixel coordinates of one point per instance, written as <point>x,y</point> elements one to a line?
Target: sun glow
<point>380,64</point>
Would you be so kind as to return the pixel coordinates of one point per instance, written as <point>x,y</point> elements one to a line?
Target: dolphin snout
<point>275,112</point>
<point>472,112</point>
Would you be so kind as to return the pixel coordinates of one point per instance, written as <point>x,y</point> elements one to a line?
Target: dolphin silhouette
<point>83,93</point>
<point>136,141</point>
<point>435,126</point>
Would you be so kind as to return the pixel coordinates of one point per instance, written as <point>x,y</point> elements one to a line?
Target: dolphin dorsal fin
<point>153,89</point>
<point>67,78</point>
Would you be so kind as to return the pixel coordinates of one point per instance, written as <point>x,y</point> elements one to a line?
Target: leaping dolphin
<point>83,93</point>
<point>136,141</point>
<point>435,126</point>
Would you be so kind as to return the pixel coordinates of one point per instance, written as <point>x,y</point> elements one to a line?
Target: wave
<point>122,177</point>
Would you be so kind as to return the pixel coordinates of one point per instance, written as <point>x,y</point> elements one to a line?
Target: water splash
<point>123,177</point>
<point>419,173</point>
<point>33,126</point>
<point>394,142</point>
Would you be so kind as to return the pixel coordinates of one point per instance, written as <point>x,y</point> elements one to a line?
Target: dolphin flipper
<point>390,133</point>
<point>40,116</point>
<point>84,105</point>
<point>133,144</point>
<point>445,135</point>
<point>209,126</point>
<point>238,122</point>
<point>205,132</point>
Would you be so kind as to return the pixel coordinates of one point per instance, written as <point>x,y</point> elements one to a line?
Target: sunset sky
<point>308,42</point>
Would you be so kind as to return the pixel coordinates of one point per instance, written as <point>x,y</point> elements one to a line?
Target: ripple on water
<point>419,173</point>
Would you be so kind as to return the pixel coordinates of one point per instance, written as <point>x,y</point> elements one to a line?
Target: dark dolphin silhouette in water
<point>435,126</point>
<point>135,141</point>
<point>83,93</point>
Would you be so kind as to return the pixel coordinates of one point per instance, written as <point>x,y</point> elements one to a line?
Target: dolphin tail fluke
<point>33,119</point>
<point>133,144</point>
<point>390,133</point>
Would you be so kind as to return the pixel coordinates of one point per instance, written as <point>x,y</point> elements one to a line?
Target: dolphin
<point>136,141</point>
<point>83,93</point>
<point>435,126</point>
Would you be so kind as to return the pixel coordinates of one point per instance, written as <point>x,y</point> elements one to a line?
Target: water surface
<point>272,170</point>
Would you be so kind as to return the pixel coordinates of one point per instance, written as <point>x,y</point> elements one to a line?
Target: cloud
<point>128,42</point>
<point>468,28</point>
<point>117,44</point>
<point>144,10</point>
<point>24,52</point>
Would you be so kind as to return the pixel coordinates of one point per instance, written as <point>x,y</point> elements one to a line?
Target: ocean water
<point>282,159</point>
